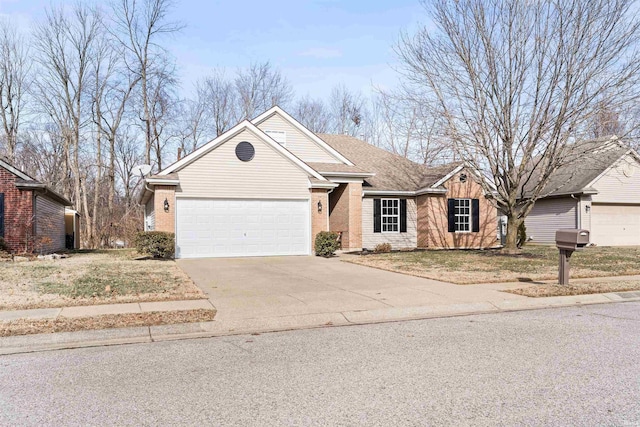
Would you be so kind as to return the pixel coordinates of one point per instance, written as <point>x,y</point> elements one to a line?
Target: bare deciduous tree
<point>348,111</point>
<point>313,114</point>
<point>517,82</point>
<point>260,87</point>
<point>220,102</point>
<point>15,77</point>
<point>138,24</point>
<point>66,44</point>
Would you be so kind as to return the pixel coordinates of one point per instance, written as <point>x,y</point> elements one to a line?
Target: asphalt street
<point>566,366</point>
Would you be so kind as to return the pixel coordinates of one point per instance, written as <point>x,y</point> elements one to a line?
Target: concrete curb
<point>222,327</point>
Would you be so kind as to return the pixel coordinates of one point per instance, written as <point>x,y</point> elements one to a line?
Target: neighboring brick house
<point>269,185</point>
<point>32,216</point>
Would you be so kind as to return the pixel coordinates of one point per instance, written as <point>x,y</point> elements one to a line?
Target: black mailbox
<point>572,239</point>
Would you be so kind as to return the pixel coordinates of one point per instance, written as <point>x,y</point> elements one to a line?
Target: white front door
<point>235,228</point>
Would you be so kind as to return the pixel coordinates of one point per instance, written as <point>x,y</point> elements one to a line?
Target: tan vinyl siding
<point>297,142</point>
<point>221,174</point>
<point>397,240</point>
<point>150,214</point>
<point>549,215</point>
<point>617,187</point>
<point>50,225</point>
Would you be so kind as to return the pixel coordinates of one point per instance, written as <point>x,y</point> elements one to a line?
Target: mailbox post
<point>568,241</point>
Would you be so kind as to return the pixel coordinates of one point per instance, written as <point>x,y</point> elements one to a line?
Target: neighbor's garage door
<point>615,225</point>
<point>233,228</point>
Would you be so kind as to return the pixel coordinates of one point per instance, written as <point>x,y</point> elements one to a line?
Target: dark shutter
<point>451,215</point>
<point>377,216</point>
<point>1,214</point>
<point>403,215</point>
<point>475,215</point>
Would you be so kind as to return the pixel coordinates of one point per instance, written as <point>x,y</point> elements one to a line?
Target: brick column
<point>165,221</point>
<point>319,220</point>
<point>355,216</point>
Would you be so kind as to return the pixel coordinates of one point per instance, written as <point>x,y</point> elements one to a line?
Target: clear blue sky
<point>315,43</point>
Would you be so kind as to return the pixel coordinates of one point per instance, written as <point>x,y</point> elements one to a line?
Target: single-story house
<point>32,216</point>
<point>599,191</point>
<point>269,185</point>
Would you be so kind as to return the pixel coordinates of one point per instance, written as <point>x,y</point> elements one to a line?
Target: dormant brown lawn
<point>533,264</point>
<point>96,277</point>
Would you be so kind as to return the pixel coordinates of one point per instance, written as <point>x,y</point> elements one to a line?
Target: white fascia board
<point>159,181</point>
<point>631,151</point>
<point>277,110</point>
<point>327,184</point>
<point>387,193</point>
<point>244,125</point>
<point>447,177</point>
<point>349,174</point>
<point>431,191</point>
<point>15,171</point>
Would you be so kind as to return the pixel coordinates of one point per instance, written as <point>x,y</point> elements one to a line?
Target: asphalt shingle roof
<point>586,161</point>
<point>392,172</point>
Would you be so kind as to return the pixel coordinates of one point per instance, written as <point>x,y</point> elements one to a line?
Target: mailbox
<point>567,241</point>
<point>572,239</point>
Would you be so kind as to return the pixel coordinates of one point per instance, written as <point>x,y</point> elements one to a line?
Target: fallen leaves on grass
<point>554,290</point>
<point>106,321</point>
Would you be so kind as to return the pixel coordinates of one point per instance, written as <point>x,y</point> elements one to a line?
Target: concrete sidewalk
<point>98,310</point>
<point>223,327</point>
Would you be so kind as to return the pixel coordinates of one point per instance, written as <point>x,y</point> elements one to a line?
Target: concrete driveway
<point>268,287</point>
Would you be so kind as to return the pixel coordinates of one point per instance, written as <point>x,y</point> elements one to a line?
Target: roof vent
<point>245,151</point>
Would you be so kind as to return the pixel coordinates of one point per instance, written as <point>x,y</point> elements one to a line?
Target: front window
<point>462,215</point>
<point>390,215</point>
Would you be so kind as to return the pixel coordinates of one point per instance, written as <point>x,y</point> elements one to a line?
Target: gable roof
<point>296,124</point>
<point>587,161</point>
<point>392,172</point>
<point>25,182</point>
<point>244,125</point>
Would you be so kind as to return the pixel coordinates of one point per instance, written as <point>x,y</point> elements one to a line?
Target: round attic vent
<point>245,151</point>
<point>463,177</point>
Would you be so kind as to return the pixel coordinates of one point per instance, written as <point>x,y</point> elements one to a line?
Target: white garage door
<point>234,228</point>
<point>615,225</point>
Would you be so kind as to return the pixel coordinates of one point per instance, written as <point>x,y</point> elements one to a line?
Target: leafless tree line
<point>91,92</point>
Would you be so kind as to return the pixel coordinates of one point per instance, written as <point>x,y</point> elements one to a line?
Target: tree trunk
<point>511,241</point>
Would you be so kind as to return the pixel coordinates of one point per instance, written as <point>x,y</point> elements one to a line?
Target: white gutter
<point>162,181</point>
<point>403,193</point>
<point>352,174</point>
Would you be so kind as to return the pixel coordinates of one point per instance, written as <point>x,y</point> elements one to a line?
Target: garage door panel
<point>218,227</point>
<point>615,225</point>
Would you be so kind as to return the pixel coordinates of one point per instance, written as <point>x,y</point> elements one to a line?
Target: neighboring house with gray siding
<point>599,192</point>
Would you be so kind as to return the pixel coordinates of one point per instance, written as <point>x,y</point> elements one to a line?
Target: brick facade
<point>433,220</point>
<point>18,214</point>
<point>319,220</point>
<point>165,221</point>
<point>345,214</point>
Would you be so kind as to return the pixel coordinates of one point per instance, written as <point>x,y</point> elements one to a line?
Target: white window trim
<point>389,216</point>
<point>470,214</point>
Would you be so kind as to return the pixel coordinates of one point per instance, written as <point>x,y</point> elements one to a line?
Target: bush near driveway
<point>158,244</point>
<point>535,262</point>
<point>326,243</point>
